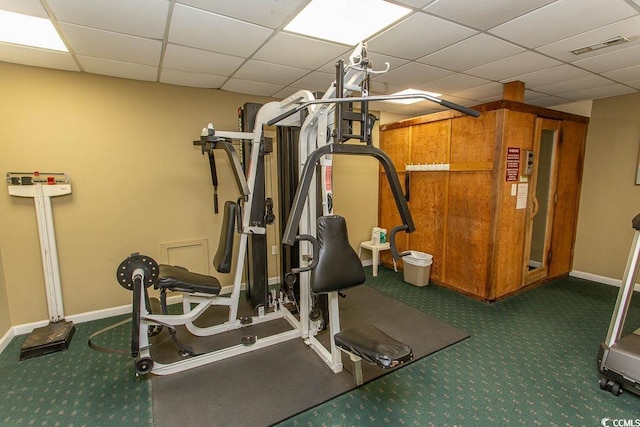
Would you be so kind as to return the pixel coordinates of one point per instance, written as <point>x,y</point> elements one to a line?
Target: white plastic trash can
<point>417,267</point>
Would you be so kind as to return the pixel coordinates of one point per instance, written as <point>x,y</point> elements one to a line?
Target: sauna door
<point>541,200</point>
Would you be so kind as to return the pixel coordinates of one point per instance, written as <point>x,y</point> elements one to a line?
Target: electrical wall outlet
<point>274,250</point>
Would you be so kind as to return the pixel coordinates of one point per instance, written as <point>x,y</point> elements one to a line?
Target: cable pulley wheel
<point>134,262</point>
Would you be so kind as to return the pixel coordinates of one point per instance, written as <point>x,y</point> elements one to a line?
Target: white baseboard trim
<point>26,328</point>
<point>6,339</point>
<point>600,279</point>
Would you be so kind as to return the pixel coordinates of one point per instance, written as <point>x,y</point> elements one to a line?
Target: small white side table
<point>375,254</point>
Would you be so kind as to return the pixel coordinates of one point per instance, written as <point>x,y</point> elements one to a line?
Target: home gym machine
<point>619,356</point>
<point>327,263</point>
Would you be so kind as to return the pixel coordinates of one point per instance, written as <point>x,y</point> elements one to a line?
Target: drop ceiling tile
<point>379,88</point>
<point>285,92</point>
<point>251,88</point>
<point>143,18</point>
<point>481,92</point>
<point>561,50</point>
<point>200,61</point>
<point>515,65</point>
<point>548,101</point>
<point>550,76</point>
<point>315,81</point>
<point>530,95</point>
<point>472,52</point>
<point>267,72</point>
<point>125,70</point>
<point>419,4</point>
<point>414,75</point>
<point>270,13</point>
<point>109,45</point>
<point>25,7</point>
<point>483,14</point>
<point>574,85</point>
<point>611,61</point>
<point>209,31</point>
<point>298,51</point>
<point>455,83</point>
<point>634,84</point>
<point>562,19</point>
<point>37,57</point>
<point>418,35</point>
<point>624,75</point>
<point>599,92</point>
<point>183,78</point>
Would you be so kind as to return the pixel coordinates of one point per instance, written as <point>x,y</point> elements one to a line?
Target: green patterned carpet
<point>530,361</point>
<point>77,387</point>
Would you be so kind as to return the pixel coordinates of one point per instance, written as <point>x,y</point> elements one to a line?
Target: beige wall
<point>5,320</point>
<point>610,199</point>
<point>137,179</point>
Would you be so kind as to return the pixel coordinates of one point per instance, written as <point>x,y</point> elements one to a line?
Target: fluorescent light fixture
<point>29,31</point>
<point>412,100</point>
<point>601,45</point>
<point>345,21</point>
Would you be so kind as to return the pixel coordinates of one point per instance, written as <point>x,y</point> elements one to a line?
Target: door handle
<point>535,207</point>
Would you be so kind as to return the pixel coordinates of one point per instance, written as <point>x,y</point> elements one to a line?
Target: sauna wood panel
<point>571,160</point>
<point>430,142</point>
<point>473,139</point>
<point>427,203</point>
<point>510,223</point>
<point>396,143</point>
<point>468,229</point>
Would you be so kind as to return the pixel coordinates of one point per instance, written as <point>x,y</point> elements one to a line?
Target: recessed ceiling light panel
<point>28,30</point>
<point>345,21</point>
<point>601,45</point>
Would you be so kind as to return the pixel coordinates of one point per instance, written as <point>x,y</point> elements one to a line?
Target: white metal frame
<point>42,194</point>
<point>315,132</point>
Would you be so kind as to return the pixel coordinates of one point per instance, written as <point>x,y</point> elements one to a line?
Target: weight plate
<point>125,271</point>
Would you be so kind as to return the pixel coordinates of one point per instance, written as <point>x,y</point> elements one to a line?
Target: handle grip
<point>460,108</point>
<point>314,258</point>
<point>283,116</point>
<point>392,242</point>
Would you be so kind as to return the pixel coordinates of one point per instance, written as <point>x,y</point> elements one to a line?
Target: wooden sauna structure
<point>494,198</point>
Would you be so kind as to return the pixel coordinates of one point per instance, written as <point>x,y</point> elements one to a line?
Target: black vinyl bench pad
<point>374,346</point>
<point>182,280</point>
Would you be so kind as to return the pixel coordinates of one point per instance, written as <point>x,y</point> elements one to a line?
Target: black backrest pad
<point>224,255</point>
<point>338,264</point>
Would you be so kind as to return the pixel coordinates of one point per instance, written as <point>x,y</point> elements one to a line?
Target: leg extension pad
<point>374,346</point>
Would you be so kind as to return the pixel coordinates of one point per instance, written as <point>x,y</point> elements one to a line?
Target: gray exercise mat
<point>269,385</point>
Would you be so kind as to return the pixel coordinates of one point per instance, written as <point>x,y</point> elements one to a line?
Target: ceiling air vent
<point>601,45</point>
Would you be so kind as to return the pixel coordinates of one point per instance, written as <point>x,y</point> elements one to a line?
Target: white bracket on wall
<point>428,167</point>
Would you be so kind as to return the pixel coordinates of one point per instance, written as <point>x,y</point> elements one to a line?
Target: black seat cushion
<point>374,346</point>
<point>339,267</point>
<point>182,280</point>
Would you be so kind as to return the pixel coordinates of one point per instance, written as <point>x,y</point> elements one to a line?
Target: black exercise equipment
<point>619,356</point>
<point>338,267</point>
